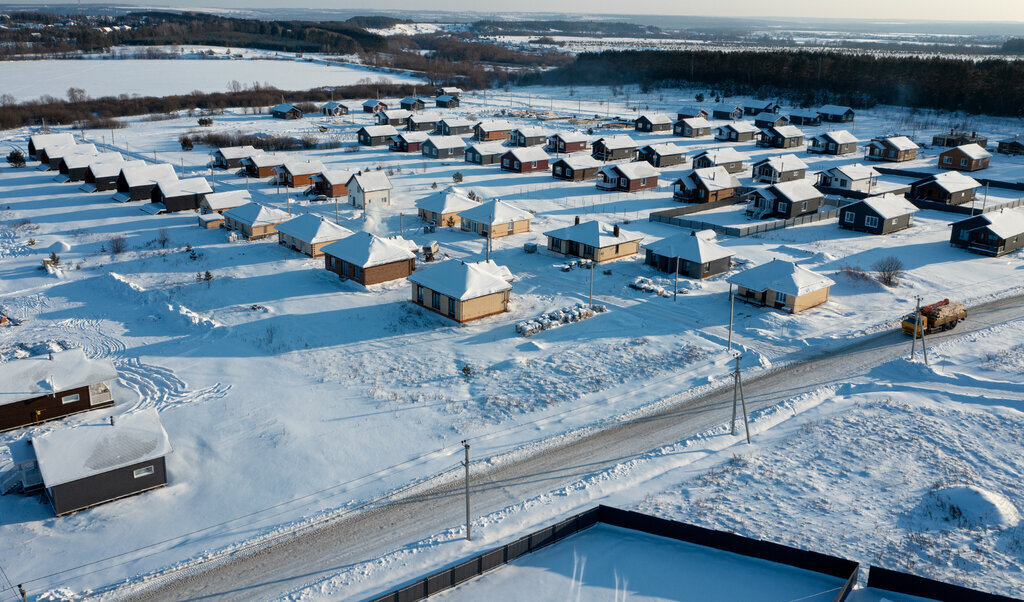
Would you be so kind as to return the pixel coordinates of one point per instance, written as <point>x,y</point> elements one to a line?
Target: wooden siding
<point>47,407</point>
<point>106,487</point>
<point>690,269</point>
<point>861,212</point>
<point>371,275</point>
<point>792,304</point>
<point>500,230</point>
<point>955,158</point>
<point>465,311</point>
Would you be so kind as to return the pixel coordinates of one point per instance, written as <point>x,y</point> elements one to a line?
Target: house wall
<point>360,199</point>
<point>313,250</point>
<point>792,304</point>
<point>611,252</point>
<point>960,161</point>
<point>465,311</point>
<point>487,136</point>
<point>792,210</point>
<point>83,493</point>
<point>600,152</point>
<point>569,147</point>
<point>212,224</point>
<point>177,203</point>
<point>22,413</point>
<point>664,160</point>
<point>500,230</point>
<point>373,274</point>
<point>804,302</point>
<point>690,269</point>
<point>861,212</point>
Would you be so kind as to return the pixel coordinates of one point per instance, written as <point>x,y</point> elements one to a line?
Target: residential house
<point>692,127</point>
<point>804,117</point>
<point>103,175</point>
<point>442,208</point>
<point>136,183</point>
<point>370,189</point>
<point>374,106</point>
<point>784,136</point>
<point>727,157</point>
<point>286,111</point>
<point>883,214</point>
<point>594,240</point>
<point>423,122</point>
<point>726,111</point>
<point>37,142</point>
<point>463,291</point>
<point>45,387</point>
<point>627,177</point>
<point>181,195</point>
<point>332,183</point>
<point>969,157</point>
<point>412,103</point>
<point>454,126</point>
<point>296,174</point>
<point>779,168</point>
<point>949,187</point>
<point>613,148</point>
<point>1011,146</point>
<point>231,157</point>
<point>73,167</point>
<point>691,111</point>
<point>956,138</point>
<point>213,205</point>
<point>446,101</point>
<point>652,122</point>
<point>487,131</point>
<point>760,106</point>
<point>786,200</point>
<point>309,233</point>
<point>497,217</point>
<point>254,220</point>
<point>448,91</point>
<point>333,108</point>
<point>782,285</point>
<point>525,159</point>
<point>485,153</point>
<point>576,169</point>
<point>409,142</point>
<point>443,147</point>
<point>376,135</point>
<point>839,142</point>
<point>393,117</point>
<point>770,120</point>
<point>855,177</point>
<point>741,131</point>
<point>528,136</point>
<point>662,155</point>
<point>892,148</point>
<point>836,114</point>
<point>56,154</point>
<point>705,185</point>
<point>694,255</point>
<point>568,142</point>
<point>262,165</point>
<point>996,233</point>
<point>369,259</point>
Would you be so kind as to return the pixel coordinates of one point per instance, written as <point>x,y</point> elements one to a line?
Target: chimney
<point>577,223</point>
<point>616,230</point>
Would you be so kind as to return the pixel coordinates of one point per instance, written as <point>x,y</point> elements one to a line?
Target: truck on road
<point>936,317</point>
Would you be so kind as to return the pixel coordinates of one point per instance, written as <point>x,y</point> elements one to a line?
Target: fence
<point>904,583</point>
<point>1018,186</point>
<point>719,540</point>
<point>740,231</point>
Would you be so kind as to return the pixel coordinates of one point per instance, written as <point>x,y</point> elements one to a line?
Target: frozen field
<point>292,395</point>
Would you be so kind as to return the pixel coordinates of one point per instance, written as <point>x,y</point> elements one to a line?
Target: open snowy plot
<point>277,381</point>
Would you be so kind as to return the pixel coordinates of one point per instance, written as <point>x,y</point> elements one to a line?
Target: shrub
<point>457,177</point>
<point>309,142</point>
<point>162,238</point>
<point>889,270</point>
<point>54,258</point>
<point>186,142</point>
<point>16,158</point>
<point>118,244</point>
<point>205,122</point>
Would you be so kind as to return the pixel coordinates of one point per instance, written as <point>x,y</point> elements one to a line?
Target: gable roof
<point>188,186</point>
<point>237,152</point>
<point>425,118</point>
<point>897,142</point>
<point>769,116</point>
<point>834,110</point>
<point>595,234</point>
<point>495,212</point>
<point>379,130</point>
<point>312,229</point>
<point>332,104</point>
<point>889,205</point>
<point>140,175</point>
<point>492,147</point>
<point>1005,224</point>
<point>781,276</point>
<point>532,131</point>
<point>445,98</point>
<point>950,181</point>
<point>449,200</point>
<point>692,110</point>
<point>461,281</point>
<point>696,123</point>
<point>23,379</point>
<point>973,151</point>
<point>371,181</point>
<point>665,149</point>
<point>335,176</point>
<point>303,168</point>
<point>695,247</point>
<point>396,113</point>
<point>713,178</point>
<point>494,125</point>
<point>633,171</point>
<point>571,136</point>
<point>725,107</point>
<point>284,108</point>
<point>456,122</point>
<point>265,160</point>
<point>221,201</point>
<point>525,154</point>
<point>780,163</point>
<point>412,136</point>
<point>656,118</point>
<point>581,162</point>
<point>786,131</point>
<point>795,191</point>
<point>804,114</point>
<point>618,141</point>
<point>255,214</point>
<point>838,136</point>
<point>411,99</point>
<point>372,102</point>
<point>366,250</point>
<point>725,154</point>
<point>855,171</point>
<point>87,159</point>
<point>110,168</point>
<point>741,127</point>
<point>446,142</point>
<point>66,150</point>
<point>40,141</point>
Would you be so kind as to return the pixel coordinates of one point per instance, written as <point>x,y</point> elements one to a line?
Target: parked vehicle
<point>936,317</point>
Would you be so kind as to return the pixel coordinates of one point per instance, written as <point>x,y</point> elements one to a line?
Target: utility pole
<point>465,445</point>
<point>401,230</point>
<point>924,350</point>
<point>288,200</point>
<point>737,390</point>
<point>593,266</point>
<point>917,325</point>
<point>336,220</point>
<point>183,168</point>
<point>154,157</point>
<point>675,285</point>
<point>24,594</point>
<point>732,304</point>
<point>490,229</point>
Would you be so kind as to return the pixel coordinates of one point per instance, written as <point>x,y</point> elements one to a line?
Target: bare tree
<point>889,270</point>
<point>118,245</point>
<point>77,95</point>
<point>163,238</point>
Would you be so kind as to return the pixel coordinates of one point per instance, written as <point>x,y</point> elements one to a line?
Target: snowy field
<point>283,388</point>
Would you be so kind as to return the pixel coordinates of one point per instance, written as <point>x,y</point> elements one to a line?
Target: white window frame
<point>145,471</point>
<point>71,398</point>
<point>963,162</point>
<point>870,221</point>
<point>780,297</point>
<point>849,217</point>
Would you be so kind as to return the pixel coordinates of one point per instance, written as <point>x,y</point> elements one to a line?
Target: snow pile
<point>59,247</point>
<point>122,286</point>
<point>566,315</point>
<point>970,507</point>
<point>642,283</point>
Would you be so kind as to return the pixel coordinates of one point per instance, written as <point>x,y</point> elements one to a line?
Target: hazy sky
<point>927,10</point>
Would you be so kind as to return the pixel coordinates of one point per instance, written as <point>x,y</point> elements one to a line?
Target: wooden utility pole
<point>737,390</point>
<point>336,220</point>
<point>917,325</point>
<point>732,304</point>
<point>465,445</point>
<point>400,229</point>
<point>675,285</point>
<point>593,266</point>
<point>490,230</point>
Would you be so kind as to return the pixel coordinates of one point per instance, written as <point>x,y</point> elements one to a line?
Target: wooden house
<point>691,111</point>
<point>91,464</point>
<point>409,142</point>
<point>213,206</point>
<point>652,122</point>
<point>333,108</point>
<point>309,233</point>
<point>486,131</point>
<point>892,148</point>
<point>727,157</point>
<point>412,103</point>
<point>43,154</point>
<point>957,138</point>
<point>369,259</point>
<point>231,157</point>
<point>525,159</point>
<point>37,142</point>
<point>568,142</point>
<point>855,177</point>
<point>782,285</point>
<point>56,154</point>
<point>662,155</point>
<point>949,187</point>
<point>497,217</point>
<point>760,106</point>
<point>882,214</point>
<point>804,117</point>
<point>784,136</point>
<point>454,126</point>
<point>836,114</point>
<point>576,169</point>
<point>485,153</point>
<point>969,157</point>
<point>692,127</point>
<point>443,147</point>
<point>376,135</point>
<point>297,174</point>
<point>423,122</point>
<point>136,183</point>
<point>694,255</point>
<point>73,167</point>
<point>45,387</point>
<point>181,195</point>
<point>374,106</point>
<point>448,91</point>
<point>770,120</point>
<point>614,148</point>
<point>446,101</point>
<point>254,221</point>
<point>103,175</point>
<point>370,189</point>
<point>393,117</point>
<point>705,185</point>
<point>463,291</point>
<point>528,136</point>
<point>442,208</point>
<point>262,165</point>
<point>786,200</point>
<point>839,142</point>
<point>993,234</point>
<point>594,240</point>
<point>741,131</point>
<point>1011,146</point>
<point>332,183</point>
<point>779,168</point>
<point>726,111</point>
<point>627,177</point>
<point>286,111</point>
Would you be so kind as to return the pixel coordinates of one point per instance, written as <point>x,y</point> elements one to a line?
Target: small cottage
<point>442,208</point>
<point>374,106</point>
<point>705,185</point>
<point>309,233</point>
<point>892,148</point>
<point>662,155</point>
<point>75,166</point>
<point>213,205</point>
<point>782,285</point>
<point>393,117</point>
<point>55,155</point>
<point>839,142</point>
<point>691,111</point>
<point>136,183</point>
<point>370,189</point>
<point>957,138</point>
<point>1011,146</point>
<point>779,168</point>
<point>525,159</point>
<point>770,120</point>
<point>786,200</point>
<point>333,183</point>
<point>412,103</point>
<point>652,122</point>
<point>485,153</point>
<point>103,175</point>
<point>949,187</point>
<point>994,234</point>
<point>576,169</point>
<point>528,136</point>
<point>37,142</point>
<point>760,106</point>
<point>487,131</point>
<point>614,148</point>
<point>262,165</point>
<point>446,101</point>
<point>454,126</point>
<point>376,135</point>
<point>727,157</point>
<point>594,240</point>
<point>408,142</point>
<point>969,157</point>
<point>692,127</point>
<point>741,131</point>
<point>423,122</point>
<point>254,221</point>
<point>568,142</point>
<point>181,195</point>
<point>726,111</point>
<point>627,177</point>
<point>463,291</point>
<point>286,111</point>
<point>443,147</point>
<point>836,114</point>
<point>369,259</point>
<point>296,174</point>
<point>883,214</point>
<point>855,177</point>
<point>448,91</point>
<point>804,117</point>
<point>231,157</point>
<point>784,136</point>
<point>497,217</point>
<point>694,255</point>
<point>333,109</point>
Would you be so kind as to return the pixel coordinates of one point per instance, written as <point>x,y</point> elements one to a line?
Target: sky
<point>928,10</point>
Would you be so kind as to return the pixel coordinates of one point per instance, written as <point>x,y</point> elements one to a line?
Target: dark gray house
<point>779,168</point>
<point>662,155</point>
<point>412,103</point>
<point>836,114</point>
<point>949,187</point>
<point>770,120</point>
<point>376,135</point>
<point>783,136</point>
<point>760,106</point>
<point>804,117</point>
<point>786,200</point>
<point>181,195</point>
<point>443,147</point>
<point>995,234</point>
<point>882,214</point>
<point>726,111</point>
<point>652,122</point>
<point>692,127</point>
<point>485,153</point>
<point>103,175</point>
<point>454,126</point>
<point>423,122</point>
<point>695,255</point>
<point>576,169</point>
<point>612,148</point>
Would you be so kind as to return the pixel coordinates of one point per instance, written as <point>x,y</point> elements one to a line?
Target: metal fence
<point>740,231</point>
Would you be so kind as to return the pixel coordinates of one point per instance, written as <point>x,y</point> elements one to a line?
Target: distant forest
<point>994,87</point>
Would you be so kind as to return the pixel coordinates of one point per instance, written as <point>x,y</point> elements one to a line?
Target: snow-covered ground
<point>281,386</point>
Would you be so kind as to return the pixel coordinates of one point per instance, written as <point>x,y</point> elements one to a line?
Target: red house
<point>374,106</point>
<point>568,142</point>
<point>525,159</point>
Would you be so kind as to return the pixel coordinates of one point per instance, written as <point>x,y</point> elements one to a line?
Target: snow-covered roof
<point>781,276</point>
<point>1005,224</point>
<point>889,205</point>
<point>371,181</point>
<point>446,141</point>
<point>804,114</point>
<point>173,188</point>
<point>786,131</point>
<point>140,175</point>
<point>38,375</point>
<point>713,178</point>
<point>690,247</point>
<point>40,141</point>
<point>445,98</point>
<point>633,171</point>
<point>86,450</point>
<point>112,167</point>
<point>696,122</point>
<point>412,136</point>
<point>667,148</point>
<point>450,90</point>
<point>410,99</point>
<point>691,110</point>
<point>742,127</point>
<point>726,154</point>
<point>728,108</point>
<point>838,136</point>
<point>951,181</point>
<point>973,151</point>
<point>897,142</point>
<point>453,122</point>
<point>768,116</point>
<point>787,162</point>
<point>531,131</point>
<point>265,160</point>
<point>335,176</point>
<point>795,190</point>
<point>617,141</point>
<point>396,113</point>
<point>458,280</point>
<point>495,212</point>
<point>229,199</point>
<point>371,102</point>
<point>571,136</point>
<point>312,229</point>
<point>656,118</point>
<point>488,148</point>
<point>581,162</point>
<point>425,118</point>
<point>379,130</point>
<point>303,168</point>
<point>367,250</point>
<point>283,108</point>
<point>449,200</point>
<point>595,234</point>
<point>497,125</point>
<point>66,150</point>
<point>255,214</point>
<point>855,172</point>
<point>87,159</point>
<point>834,110</point>
<point>238,152</point>
<point>758,104</point>
<point>332,104</point>
<point>524,154</point>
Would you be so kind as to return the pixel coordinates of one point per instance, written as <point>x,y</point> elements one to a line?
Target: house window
<point>780,297</point>
<point>643,181</point>
<point>435,300</point>
<point>870,221</point>
<point>963,162</point>
<point>355,273</point>
<point>707,267</point>
<point>70,398</point>
<point>558,170</point>
<point>947,159</point>
<point>804,206</point>
<point>511,227</point>
<point>849,217</point>
<point>624,182</point>
<point>534,165</point>
<point>783,207</point>
<point>516,165</point>
<point>504,162</point>
<point>138,473</point>
<point>588,251</point>
<point>451,307</point>
<point>843,182</point>
<point>964,235</point>
<point>419,294</point>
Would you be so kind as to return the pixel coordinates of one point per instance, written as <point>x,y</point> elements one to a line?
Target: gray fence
<point>892,171</point>
<point>740,231</point>
<point>905,583</point>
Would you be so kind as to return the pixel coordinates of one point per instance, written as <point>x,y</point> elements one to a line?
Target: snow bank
<point>970,507</point>
<point>121,286</point>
